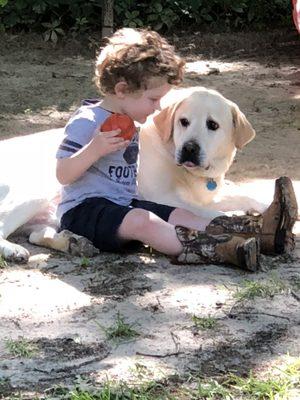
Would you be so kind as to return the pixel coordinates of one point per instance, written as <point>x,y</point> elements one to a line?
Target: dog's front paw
<point>13,252</point>
<point>79,245</point>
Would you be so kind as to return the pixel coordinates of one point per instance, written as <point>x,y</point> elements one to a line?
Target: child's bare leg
<point>148,228</point>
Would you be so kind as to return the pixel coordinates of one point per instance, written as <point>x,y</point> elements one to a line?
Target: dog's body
<point>27,185</point>
<point>181,155</point>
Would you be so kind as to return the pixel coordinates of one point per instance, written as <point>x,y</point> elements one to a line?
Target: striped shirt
<point>112,176</point>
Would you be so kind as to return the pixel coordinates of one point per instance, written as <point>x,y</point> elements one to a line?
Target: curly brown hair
<point>135,56</point>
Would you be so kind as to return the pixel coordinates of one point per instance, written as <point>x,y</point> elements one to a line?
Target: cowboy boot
<point>202,248</point>
<point>273,227</point>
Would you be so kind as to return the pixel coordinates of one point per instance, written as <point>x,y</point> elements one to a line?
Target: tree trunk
<point>107,17</point>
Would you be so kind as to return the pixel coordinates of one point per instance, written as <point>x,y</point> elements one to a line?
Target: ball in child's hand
<point>119,121</point>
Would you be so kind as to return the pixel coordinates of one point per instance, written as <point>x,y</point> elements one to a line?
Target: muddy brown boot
<point>202,248</point>
<point>273,227</point>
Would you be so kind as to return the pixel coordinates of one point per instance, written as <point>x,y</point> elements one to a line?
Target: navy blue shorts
<point>98,220</point>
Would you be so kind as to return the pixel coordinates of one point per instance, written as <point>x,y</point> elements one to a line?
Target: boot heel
<point>284,241</point>
<point>248,254</point>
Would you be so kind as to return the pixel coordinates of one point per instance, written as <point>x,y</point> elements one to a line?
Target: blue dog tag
<point>211,184</point>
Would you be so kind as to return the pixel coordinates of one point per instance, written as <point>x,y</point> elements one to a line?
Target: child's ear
<point>121,89</point>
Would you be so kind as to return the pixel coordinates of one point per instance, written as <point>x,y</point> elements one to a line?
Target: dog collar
<point>211,184</point>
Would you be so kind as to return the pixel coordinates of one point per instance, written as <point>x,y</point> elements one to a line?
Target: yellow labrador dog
<point>185,152</point>
<point>187,148</point>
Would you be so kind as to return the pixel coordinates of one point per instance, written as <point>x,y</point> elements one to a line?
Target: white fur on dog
<point>27,185</point>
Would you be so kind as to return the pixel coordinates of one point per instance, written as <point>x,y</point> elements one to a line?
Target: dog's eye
<point>212,125</point>
<point>184,122</point>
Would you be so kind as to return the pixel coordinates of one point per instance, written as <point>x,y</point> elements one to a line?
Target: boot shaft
<point>203,248</point>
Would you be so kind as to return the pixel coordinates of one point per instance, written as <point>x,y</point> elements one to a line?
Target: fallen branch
<point>259,313</point>
<point>159,355</point>
<point>295,295</point>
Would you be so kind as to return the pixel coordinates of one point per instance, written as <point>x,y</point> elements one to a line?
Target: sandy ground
<point>61,304</point>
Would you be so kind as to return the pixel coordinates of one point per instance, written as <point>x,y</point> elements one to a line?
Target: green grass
<point>254,388</point>
<point>140,371</point>
<point>84,262</point>
<point>253,289</point>
<point>279,386</point>
<point>211,389</point>
<point>20,348</point>
<point>3,263</point>
<point>292,373</point>
<point>112,391</point>
<point>5,387</point>
<point>204,323</point>
<point>120,331</point>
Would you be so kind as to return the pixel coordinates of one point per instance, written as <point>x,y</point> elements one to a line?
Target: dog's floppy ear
<point>164,121</point>
<point>243,132</point>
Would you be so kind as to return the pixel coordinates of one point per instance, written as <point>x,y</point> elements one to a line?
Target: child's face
<point>139,105</point>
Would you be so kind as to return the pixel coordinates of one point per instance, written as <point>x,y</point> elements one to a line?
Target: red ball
<point>119,121</point>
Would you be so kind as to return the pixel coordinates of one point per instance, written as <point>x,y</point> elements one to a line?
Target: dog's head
<point>205,128</point>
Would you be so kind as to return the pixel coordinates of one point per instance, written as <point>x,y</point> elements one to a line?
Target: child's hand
<point>108,142</point>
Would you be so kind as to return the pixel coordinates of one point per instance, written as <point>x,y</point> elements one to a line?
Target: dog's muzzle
<point>189,154</point>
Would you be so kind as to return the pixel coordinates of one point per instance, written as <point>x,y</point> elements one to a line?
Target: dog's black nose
<point>191,148</point>
<point>190,152</point>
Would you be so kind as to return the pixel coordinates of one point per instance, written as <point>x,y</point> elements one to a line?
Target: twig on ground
<point>138,353</point>
<point>67,368</point>
<point>259,313</point>
<point>295,295</point>
<point>159,303</point>
<point>176,341</point>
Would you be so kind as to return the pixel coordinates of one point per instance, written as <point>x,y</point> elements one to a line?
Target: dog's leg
<point>179,202</point>
<point>13,252</point>
<point>238,205</point>
<point>240,198</point>
<point>202,211</point>
<point>13,214</point>
<point>64,241</point>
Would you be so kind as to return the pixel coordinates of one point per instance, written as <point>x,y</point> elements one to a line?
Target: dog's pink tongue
<point>189,164</point>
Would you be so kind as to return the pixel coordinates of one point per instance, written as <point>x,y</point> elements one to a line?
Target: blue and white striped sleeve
<point>78,132</point>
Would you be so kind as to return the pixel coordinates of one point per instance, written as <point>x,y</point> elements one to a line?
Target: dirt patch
<point>59,302</point>
<point>54,361</point>
<point>64,349</point>
<point>118,282</point>
<point>237,355</point>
